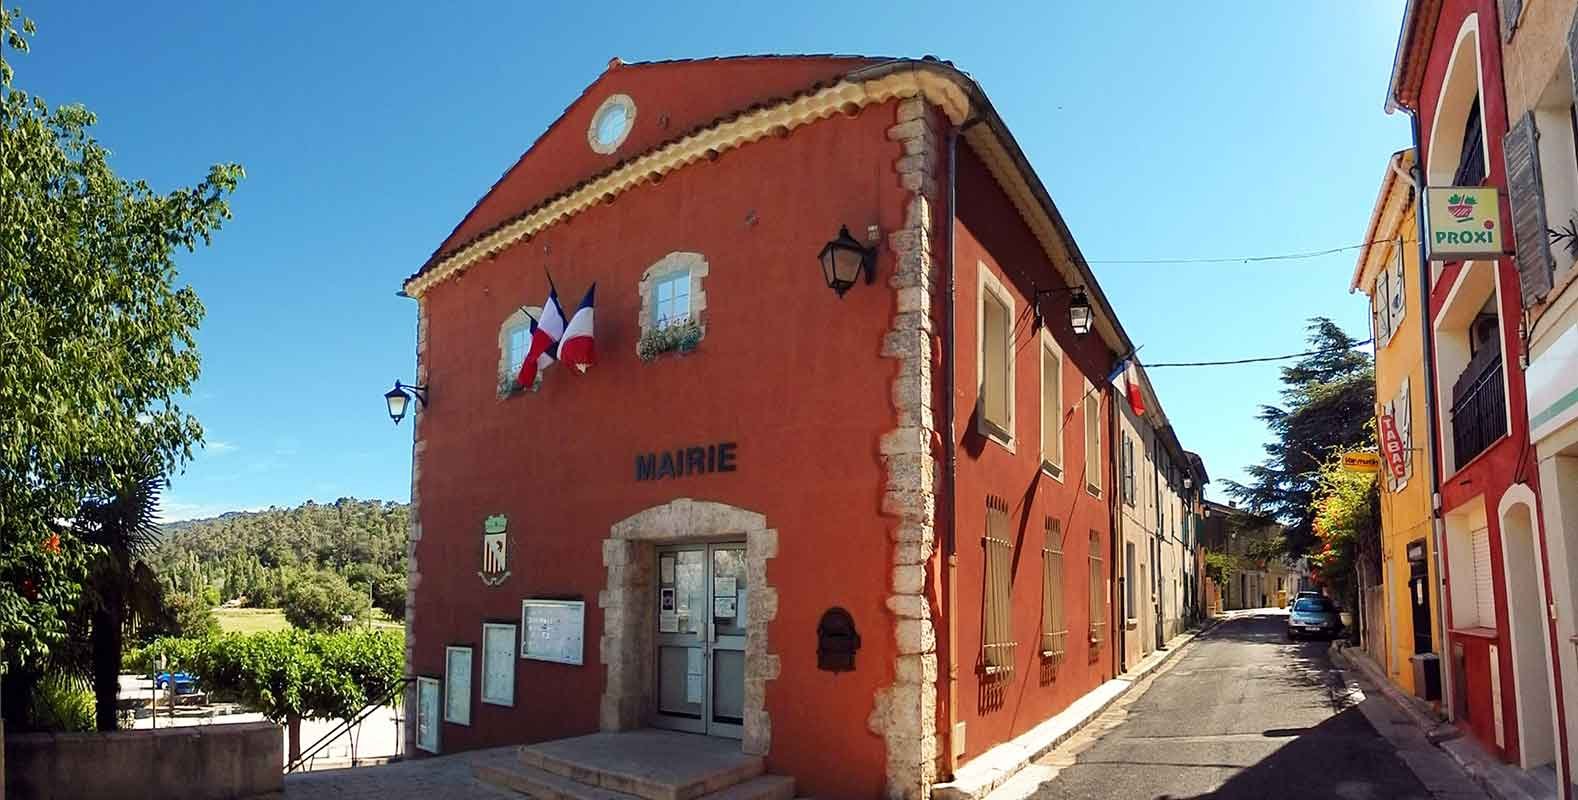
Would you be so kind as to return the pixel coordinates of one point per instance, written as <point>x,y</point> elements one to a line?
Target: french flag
<point>1126,379</point>
<point>545,335</point>
<point>577,347</point>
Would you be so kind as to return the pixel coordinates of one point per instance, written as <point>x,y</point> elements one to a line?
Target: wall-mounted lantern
<point>844,260</point>
<point>399,399</point>
<point>1079,313</point>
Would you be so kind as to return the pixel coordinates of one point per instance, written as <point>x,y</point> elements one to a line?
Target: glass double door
<point>701,638</point>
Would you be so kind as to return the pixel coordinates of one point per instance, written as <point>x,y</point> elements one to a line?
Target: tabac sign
<point>1464,222</point>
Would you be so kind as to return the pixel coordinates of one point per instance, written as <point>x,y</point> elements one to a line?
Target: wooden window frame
<point>997,640</point>
<point>1092,420</point>
<point>1054,622</point>
<point>989,284</point>
<point>1052,465</point>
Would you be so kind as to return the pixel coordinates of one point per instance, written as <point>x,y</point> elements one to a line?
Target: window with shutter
<point>996,369</point>
<point>1092,443</point>
<point>1484,584</point>
<point>1398,298</point>
<point>1383,306</point>
<point>1098,595</point>
<point>1054,629</point>
<point>1527,196</point>
<point>1510,10</point>
<point>1127,455</point>
<point>1403,412</point>
<point>997,645</point>
<point>1051,406</point>
<point>1471,162</point>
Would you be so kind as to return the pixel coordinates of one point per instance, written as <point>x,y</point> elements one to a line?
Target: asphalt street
<point>1241,713</point>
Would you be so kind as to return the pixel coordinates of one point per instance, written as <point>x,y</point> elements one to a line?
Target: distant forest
<point>252,555</point>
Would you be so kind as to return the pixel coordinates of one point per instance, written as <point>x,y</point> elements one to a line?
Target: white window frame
<point>677,279</point>
<point>666,268</point>
<point>425,683</point>
<point>508,367</point>
<point>491,634</point>
<point>1053,466</point>
<point>988,283</point>
<point>450,715</point>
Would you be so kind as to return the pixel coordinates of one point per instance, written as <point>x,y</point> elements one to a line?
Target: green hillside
<point>249,555</point>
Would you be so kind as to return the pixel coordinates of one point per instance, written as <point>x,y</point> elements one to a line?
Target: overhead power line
<point>1244,259</point>
<point>1255,360</point>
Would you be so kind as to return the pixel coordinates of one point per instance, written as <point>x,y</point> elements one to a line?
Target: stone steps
<point>637,765</point>
<point>544,785</point>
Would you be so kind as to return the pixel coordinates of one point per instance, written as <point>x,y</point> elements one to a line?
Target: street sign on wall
<point>1464,222</point>
<point>1361,462</point>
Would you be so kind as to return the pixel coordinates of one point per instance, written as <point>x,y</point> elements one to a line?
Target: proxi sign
<point>1464,222</point>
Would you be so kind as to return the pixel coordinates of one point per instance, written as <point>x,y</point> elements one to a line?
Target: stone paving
<point>436,778</point>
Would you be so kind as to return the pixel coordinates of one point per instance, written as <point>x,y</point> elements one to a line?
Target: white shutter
<point>1399,292</point>
<point>1484,587</point>
<point>1404,412</point>
<point>1383,305</point>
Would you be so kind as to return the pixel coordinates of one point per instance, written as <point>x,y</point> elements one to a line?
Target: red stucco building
<point>754,450</point>
<point>1501,683</point>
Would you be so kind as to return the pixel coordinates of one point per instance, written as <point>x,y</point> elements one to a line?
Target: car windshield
<point>1312,604</point>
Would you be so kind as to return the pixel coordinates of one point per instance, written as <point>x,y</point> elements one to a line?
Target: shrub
<point>62,706</point>
<point>319,600</point>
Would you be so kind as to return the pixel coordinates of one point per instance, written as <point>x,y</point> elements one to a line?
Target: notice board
<point>551,630</point>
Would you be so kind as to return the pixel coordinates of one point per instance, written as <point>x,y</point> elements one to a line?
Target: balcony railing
<point>1479,412</point>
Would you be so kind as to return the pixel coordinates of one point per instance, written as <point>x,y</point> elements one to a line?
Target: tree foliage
<point>96,342</point>
<point>255,556</point>
<point>1347,524</point>
<point>1327,402</point>
<point>320,600</point>
<point>293,675</point>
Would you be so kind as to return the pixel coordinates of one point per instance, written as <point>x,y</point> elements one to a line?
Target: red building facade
<point>755,444</point>
<point>1448,75</point>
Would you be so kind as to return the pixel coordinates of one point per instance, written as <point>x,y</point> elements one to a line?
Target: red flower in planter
<point>52,544</point>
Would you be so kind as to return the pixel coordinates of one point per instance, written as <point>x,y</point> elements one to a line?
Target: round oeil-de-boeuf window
<point>611,124</point>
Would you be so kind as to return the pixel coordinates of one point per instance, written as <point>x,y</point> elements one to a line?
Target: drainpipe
<point>1117,626</point>
<point>1431,401</point>
<point>950,540</point>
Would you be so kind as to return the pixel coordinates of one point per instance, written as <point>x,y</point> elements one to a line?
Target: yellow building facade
<point>1388,273</point>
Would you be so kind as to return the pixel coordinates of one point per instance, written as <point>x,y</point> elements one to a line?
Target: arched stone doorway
<point>629,609</point>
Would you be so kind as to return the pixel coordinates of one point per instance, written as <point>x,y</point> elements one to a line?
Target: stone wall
<point>905,713</point>
<point>200,762</point>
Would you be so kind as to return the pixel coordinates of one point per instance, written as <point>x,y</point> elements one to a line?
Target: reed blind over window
<point>1098,594</point>
<point>1054,628</point>
<point>998,645</point>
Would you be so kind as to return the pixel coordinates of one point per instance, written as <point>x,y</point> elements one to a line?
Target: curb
<point>1015,755</point>
<point>1487,774</point>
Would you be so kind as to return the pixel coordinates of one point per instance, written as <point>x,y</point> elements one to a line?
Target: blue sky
<point>1162,130</point>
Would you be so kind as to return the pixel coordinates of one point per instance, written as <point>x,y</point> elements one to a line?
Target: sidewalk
<point>1499,780</point>
<point>1011,761</point>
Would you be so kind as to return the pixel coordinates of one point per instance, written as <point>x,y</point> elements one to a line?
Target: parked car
<point>1313,615</point>
<point>184,682</point>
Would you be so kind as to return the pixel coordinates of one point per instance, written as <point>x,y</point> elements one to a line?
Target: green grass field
<point>253,620</point>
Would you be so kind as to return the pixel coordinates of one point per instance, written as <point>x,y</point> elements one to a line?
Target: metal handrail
<point>347,724</point>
